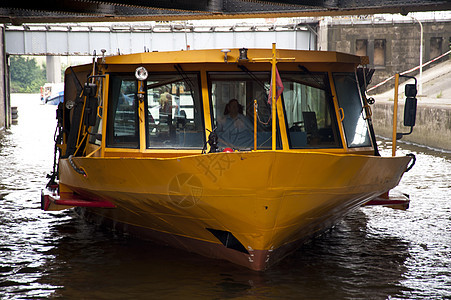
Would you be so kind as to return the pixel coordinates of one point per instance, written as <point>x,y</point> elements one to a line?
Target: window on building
<point>361,47</point>
<point>379,52</point>
<point>435,47</point>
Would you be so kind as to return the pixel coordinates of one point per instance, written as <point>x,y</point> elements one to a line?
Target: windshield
<point>232,96</point>
<point>174,111</point>
<point>349,99</point>
<point>309,110</point>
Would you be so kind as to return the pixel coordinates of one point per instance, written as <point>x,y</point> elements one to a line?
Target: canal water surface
<point>374,253</point>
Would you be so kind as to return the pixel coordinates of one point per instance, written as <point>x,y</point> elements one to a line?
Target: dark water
<point>375,253</point>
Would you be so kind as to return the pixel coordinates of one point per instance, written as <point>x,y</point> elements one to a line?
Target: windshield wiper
<point>161,83</point>
<point>185,78</point>
<point>318,79</point>
<point>252,75</point>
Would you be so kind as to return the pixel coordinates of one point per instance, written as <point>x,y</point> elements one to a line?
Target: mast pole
<point>255,125</point>
<point>273,96</point>
<point>395,115</point>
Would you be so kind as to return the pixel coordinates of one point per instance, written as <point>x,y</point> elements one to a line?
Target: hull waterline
<point>263,217</point>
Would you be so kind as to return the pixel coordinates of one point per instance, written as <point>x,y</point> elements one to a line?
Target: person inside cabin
<point>164,96</point>
<point>166,105</point>
<point>234,129</point>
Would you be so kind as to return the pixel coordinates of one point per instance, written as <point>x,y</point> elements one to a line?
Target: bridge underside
<point>55,11</point>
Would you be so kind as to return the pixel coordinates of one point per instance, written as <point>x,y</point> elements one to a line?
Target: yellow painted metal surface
<point>264,198</point>
<point>216,56</point>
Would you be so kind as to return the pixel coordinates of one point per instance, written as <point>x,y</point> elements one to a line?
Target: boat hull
<point>251,208</point>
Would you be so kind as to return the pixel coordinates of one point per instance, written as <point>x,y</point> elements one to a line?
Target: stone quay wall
<point>432,128</point>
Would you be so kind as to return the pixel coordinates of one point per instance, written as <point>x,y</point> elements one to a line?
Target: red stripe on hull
<point>70,199</point>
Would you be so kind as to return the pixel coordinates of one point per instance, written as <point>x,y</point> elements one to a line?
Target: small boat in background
<point>52,93</point>
<point>240,154</point>
<point>55,99</point>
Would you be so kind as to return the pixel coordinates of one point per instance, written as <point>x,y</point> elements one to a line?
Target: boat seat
<point>298,139</point>
<point>310,123</point>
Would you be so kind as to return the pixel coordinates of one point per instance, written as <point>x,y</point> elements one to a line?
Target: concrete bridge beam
<point>5,105</point>
<point>53,69</point>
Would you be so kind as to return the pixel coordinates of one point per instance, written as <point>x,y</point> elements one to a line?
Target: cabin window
<point>349,99</point>
<point>73,86</point>
<point>309,110</point>
<point>122,113</point>
<point>96,130</point>
<point>232,98</point>
<point>174,111</point>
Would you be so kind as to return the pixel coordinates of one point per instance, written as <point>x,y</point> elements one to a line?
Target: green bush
<point>26,75</point>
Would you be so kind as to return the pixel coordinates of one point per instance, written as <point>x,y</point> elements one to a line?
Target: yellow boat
<point>181,147</point>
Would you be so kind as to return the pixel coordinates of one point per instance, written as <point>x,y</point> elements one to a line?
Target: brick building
<point>391,45</point>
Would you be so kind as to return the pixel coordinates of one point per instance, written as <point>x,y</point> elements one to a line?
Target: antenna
<point>93,65</point>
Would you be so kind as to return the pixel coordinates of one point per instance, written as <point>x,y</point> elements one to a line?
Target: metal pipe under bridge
<point>54,40</point>
<point>83,39</point>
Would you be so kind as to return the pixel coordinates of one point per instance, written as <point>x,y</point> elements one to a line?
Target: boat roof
<point>217,56</point>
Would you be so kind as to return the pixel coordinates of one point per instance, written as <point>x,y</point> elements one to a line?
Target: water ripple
<point>374,253</point>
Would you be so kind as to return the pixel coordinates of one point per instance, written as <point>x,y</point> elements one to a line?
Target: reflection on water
<point>375,253</point>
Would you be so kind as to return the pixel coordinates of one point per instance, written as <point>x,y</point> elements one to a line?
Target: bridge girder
<point>55,11</point>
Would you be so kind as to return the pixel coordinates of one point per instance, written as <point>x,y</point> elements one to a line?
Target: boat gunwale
<point>250,152</point>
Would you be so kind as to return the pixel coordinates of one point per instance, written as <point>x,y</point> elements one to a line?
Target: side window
<point>174,111</point>
<point>96,130</point>
<point>349,99</point>
<point>309,111</point>
<point>122,131</point>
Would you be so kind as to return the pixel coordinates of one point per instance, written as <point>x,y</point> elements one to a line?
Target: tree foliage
<point>26,75</point>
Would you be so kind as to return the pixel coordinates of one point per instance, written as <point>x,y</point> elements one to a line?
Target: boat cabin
<point>168,104</point>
